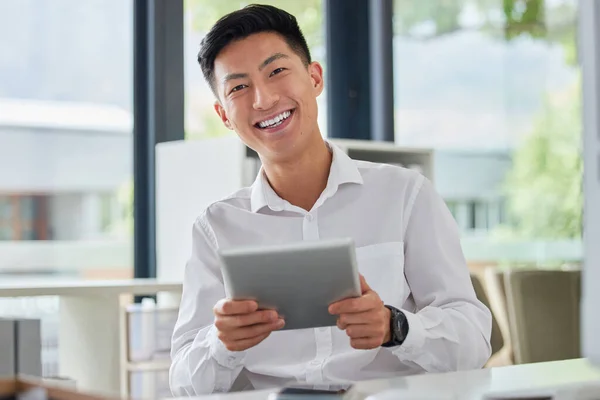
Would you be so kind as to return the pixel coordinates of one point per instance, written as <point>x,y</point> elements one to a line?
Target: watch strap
<point>398,327</point>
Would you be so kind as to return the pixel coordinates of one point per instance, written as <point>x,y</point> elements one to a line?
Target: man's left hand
<point>365,319</point>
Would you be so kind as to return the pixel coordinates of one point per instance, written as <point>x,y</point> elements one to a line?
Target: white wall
<point>64,161</point>
<point>190,175</point>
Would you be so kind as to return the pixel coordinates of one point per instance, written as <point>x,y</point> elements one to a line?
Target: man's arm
<point>451,329</point>
<point>201,363</point>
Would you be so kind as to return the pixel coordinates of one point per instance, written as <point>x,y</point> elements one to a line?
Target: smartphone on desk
<point>307,393</point>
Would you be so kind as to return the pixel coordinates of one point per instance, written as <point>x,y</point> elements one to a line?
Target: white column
<point>462,215</point>
<point>91,210</point>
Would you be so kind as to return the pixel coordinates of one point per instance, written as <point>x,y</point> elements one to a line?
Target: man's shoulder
<point>238,200</point>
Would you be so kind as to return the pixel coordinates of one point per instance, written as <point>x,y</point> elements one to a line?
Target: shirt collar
<point>343,170</point>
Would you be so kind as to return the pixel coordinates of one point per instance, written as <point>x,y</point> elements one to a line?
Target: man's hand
<point>241,326</point>
<point>365,319</point>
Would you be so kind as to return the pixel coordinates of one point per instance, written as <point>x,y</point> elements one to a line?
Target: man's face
<point>268,95</point>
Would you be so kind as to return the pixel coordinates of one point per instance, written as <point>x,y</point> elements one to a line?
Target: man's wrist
<point>223,356</point>
<point>398,327</point>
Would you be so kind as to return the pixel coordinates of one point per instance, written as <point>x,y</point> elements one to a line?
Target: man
<point>418,312</point>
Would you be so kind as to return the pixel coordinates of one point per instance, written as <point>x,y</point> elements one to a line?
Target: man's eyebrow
<point>233,76</point>
<point>276,56</point>
<point>269,60</point>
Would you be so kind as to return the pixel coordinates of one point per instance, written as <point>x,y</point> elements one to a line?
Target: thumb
<point>364,286</point>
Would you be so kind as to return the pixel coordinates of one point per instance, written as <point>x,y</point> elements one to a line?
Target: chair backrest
<point>543,310</point>
<point>496,291</point>
<point>496,340</point>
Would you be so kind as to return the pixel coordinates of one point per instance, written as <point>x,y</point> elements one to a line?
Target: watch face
<point>400,326</point>
<point>398,331</point>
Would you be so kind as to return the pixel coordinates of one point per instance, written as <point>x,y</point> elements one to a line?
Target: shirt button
<point>309,217</point>
<point>315,362</point>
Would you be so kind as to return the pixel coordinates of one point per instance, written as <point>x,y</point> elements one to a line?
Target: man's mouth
<point>275,121</point>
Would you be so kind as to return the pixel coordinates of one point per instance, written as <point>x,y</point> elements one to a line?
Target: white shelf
<point>87,288</point>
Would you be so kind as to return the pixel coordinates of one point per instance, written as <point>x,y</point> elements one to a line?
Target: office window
<point>201,120</point>
<point>65,135</point>
<point>494,88</point>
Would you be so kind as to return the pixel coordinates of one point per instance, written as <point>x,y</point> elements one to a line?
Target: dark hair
<point>254,18</point>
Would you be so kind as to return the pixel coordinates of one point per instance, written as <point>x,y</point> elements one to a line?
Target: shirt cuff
<point>414,340</point>
<point>218,351</point>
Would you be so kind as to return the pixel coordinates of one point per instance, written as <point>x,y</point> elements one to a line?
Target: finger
<point>364,286</point>
<point>364,303</point>
<point>235,307</point>
<point>251,331</point>
<point>365,331</point>
<point>365,344</point>
<point>366,317</point>
<point>245,344</point>
<point>230,322</point>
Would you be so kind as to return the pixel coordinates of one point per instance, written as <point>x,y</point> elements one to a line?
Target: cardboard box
<point>34,389</point>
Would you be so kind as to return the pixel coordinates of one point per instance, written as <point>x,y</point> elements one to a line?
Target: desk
<point>89,349</point>
<point>470,385</point>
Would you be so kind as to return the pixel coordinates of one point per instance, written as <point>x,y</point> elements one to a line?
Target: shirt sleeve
<point>450,328</point>
<point>201,363</point>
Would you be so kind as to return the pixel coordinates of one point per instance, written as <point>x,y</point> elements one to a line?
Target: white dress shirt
<point>407,247</point>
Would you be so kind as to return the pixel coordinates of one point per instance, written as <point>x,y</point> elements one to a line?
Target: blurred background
<point>491,87</point>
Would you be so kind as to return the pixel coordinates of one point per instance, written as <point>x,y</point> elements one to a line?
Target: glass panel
<point>493,86</point>
<point>65,135</point>
<point>66,129</point>
<point>200,119</point>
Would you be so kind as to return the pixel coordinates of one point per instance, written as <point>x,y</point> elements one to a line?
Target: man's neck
<point>301,181</point>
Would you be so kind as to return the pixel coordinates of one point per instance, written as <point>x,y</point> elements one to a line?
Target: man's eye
<point>238,87</point>
<point>276,71</point>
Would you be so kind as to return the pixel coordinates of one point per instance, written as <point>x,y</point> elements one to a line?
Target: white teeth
<point>275,121</point>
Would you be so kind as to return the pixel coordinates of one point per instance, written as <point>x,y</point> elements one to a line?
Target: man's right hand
<point>241,326</point>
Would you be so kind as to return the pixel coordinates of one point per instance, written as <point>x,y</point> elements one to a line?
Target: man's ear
<point>222,114</point>
<point>316,75</point>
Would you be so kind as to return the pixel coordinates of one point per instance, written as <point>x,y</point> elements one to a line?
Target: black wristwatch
<point>398,327</point>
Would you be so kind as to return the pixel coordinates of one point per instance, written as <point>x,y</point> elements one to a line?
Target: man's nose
<point>264,97</point>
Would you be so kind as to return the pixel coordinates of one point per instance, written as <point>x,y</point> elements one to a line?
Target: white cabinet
<point>190,175</point>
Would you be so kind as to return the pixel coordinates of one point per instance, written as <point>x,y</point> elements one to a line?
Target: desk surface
<point>470,385</point>
<point>76,287</point>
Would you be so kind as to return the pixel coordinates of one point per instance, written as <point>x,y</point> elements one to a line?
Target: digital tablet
<point>299,280</point>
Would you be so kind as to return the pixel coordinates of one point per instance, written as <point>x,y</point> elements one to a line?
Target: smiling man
<point>418,311</point>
